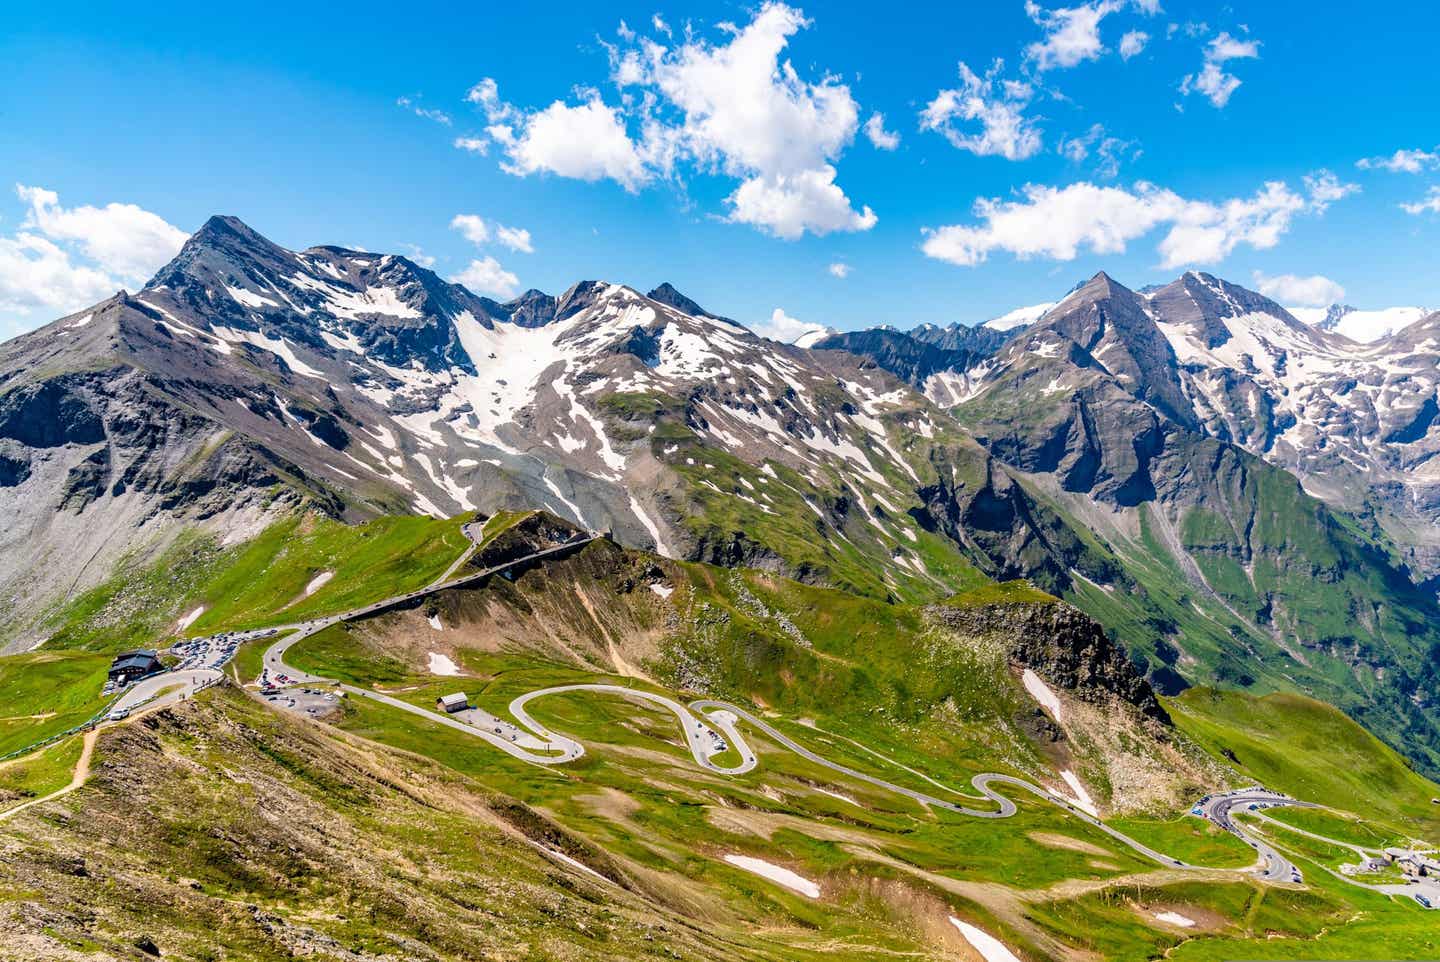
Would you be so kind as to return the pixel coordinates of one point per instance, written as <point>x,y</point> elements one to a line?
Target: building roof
<point>134,659</point>
<point>456,699</point>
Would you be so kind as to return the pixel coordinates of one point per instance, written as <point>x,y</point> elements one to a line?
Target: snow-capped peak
<point>1019,317</point>
<point>811,338</point>
<point>1364,327</point>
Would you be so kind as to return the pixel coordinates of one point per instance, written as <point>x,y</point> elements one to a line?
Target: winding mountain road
<point>711,729</point>
<point>172,686</point>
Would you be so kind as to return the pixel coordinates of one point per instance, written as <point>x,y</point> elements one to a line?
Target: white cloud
<point>1072,34</point>
<point>839,269</point>
<point>746,110</point>
<point>515,238</point>
<point>1225,47</point>
<point>62,259</point>
<point>584,142</point>
<point>1325,188</point>
<point>782,327</point>
<point>1148,7</point>
<point>486,96</point>
<point>486,276</point>
<point>1213,81</point>
<point>474,145</point>
<point>998,105</point>
<point>472,226</point>
<point>660,25</point>
<point>418,255</point>
<point>1059,222</point>
<point>1132,43</point>
<point>736,108</point>
<point>1108,151</point>
<point>1313,291</point>
<point>429,113</point>
<point>789,205</point>
<point>1431,203</point>
<point>879,136</point>
<point>1402,161</point>
<point>479,232</point>
<point>123,239</point>
<point>36,274</point>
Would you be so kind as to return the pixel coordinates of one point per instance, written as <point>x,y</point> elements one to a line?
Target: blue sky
<point>682,148</point>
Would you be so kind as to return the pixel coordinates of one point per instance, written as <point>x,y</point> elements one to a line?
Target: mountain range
<point>1238,496</point>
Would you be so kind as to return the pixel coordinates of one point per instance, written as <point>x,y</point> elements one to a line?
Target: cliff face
<point>1063,645</point>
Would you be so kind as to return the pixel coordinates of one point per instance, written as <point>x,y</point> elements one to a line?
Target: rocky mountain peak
<point>667,294</point>
<point>534,308</point>
<point>224,248</point>
<point>582,296</point>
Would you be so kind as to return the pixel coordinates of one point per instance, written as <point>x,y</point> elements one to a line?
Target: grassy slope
<point>635,754</point>
<point>1301,593</point>
<point>1310,750</point>
<point>38,773</point>
<point>863,670</point>
<point>261,581</point>
<point>61,688</point>
<point>1312,583</point>
<point>772,510</point>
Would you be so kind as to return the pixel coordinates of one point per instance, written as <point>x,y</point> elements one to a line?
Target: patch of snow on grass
<point>778,875</point>
<point>318,582</point>
<point>1041,692</point>
<point>442,665</point>
<point>435,622</point>
<point>663,591</point>
<point>567,860</point>
<point>1082,799</point>
<point>1175,918</point>
<point>189,619</point>
<point>843,798</point>
<point>989,947</point>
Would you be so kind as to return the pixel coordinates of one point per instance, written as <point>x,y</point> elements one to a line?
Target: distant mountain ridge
<point>1363,326</point>
<point>1352,420</point>
<point>246,380</point>
<point>1103,451</point>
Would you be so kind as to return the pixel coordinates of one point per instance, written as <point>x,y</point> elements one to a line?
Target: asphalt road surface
<point>1217,808</point>
<point>164,688</point>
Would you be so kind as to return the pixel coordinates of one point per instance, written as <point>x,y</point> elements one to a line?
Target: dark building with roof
<point>130,665</point>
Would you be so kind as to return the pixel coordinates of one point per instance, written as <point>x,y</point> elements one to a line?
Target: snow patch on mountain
<point>1365,327</point>
<point>1019,317</point>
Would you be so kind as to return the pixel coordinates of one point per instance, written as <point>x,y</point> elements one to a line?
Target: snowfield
<point>989,947</point>
<point>442,665</point>
<point>776,874</point>
<point>1042,693</point>
<point>318,582</point>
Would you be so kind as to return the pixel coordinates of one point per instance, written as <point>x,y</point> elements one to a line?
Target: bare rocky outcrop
<point>1061,644</point>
